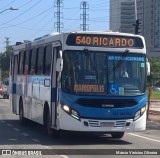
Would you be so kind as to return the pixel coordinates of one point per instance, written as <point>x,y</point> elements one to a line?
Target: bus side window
<point>47,60</point>
<point>21,63</point>
<point>26,63</point>
<point>33,61</point>
<point>40,59</point>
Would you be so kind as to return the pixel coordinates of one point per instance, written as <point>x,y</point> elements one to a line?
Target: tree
<point>4,63</point>
<point>154,78</point>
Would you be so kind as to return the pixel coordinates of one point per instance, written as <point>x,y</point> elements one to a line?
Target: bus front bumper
<point>67,122</point>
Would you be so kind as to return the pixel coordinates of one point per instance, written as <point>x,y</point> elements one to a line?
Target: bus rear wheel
<point>22,120</point>
<point>117,134</point>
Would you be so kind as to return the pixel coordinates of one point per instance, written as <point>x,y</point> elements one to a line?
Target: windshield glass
<point>102,73</point>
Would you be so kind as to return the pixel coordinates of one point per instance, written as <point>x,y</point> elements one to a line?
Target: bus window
<point>47,58</point>
<point>26,64</point>
<point>40,59</point>
<point>21,63</point>
<point>33,61</point>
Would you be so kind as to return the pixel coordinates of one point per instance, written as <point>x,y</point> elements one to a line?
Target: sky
<point>35,18</point>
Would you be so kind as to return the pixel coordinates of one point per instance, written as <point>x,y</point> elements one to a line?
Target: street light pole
<point>135,5</point>
<point>11,8</point>
<point>8,9</point>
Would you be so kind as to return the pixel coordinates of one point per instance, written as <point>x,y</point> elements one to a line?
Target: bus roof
<point>58,36</point>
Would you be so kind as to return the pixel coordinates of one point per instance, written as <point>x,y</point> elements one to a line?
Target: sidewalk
<point>154,111</point>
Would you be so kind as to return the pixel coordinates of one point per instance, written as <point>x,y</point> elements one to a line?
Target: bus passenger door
<point>13,85</point>
<point>54,90</point>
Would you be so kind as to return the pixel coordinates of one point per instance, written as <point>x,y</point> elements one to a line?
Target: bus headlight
<point>71,111</point>
<point>66,108</point>
<point>139,113</point>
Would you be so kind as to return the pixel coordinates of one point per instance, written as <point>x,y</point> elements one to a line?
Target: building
<point>124,12</point>
<point>122,16</point>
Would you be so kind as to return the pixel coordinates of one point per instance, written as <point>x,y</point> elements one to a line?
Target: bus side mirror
<point>59,63</point>
<point>148,67</point>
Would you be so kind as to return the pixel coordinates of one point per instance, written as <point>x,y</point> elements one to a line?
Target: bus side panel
<point>37,102</point>
<point>13,85</point>
<point>39,90</point>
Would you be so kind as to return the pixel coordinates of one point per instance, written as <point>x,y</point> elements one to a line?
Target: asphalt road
<point>32,139</point>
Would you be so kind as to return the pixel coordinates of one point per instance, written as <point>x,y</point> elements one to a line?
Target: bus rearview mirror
<point>148,67</point>
<point>59,64</point>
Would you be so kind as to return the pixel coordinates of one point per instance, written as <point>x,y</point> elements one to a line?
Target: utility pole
<point>84,5</point>
<point>137,21</point>
<point>58,25</point>
<point>7,43</point>
<point>135,5</point>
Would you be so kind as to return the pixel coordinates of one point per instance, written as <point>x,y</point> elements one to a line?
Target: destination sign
<point>98,40</point>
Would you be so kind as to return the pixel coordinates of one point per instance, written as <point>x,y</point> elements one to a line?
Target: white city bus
<point>75,82</point>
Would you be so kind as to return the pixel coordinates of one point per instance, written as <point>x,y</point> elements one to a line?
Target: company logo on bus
<point>107,105</point>
<point>98,40</point>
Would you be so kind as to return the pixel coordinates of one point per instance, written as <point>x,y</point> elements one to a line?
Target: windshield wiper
<point>92,62</point>
<point>115,68</point>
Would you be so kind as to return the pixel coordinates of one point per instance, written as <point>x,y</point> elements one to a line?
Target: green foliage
<point>155,95</point>
<point>4,64</point>
<point>154,78</point>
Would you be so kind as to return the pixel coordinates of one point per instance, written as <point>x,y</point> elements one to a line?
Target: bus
<point>81,81</point>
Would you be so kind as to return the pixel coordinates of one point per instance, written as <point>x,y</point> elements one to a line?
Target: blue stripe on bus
<point>14,88</point>
<point>54,94</point>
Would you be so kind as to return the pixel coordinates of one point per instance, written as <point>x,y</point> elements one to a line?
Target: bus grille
<point>95,123</point>
<point>107,103</point>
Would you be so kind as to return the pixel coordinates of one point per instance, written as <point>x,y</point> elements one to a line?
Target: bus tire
<point>23,121</point>
<point>47,121</point>
<point>117,134</point>
<point>4,96</point>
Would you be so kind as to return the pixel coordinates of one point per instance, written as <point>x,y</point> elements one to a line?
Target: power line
<point>7,43</point>
<point>22,13</point>
<point>10,25</point>
<point>23,5</point>
<point>7,5</point>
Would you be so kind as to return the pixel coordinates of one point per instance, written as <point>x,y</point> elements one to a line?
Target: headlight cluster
<point>71,111</point>
<point>139,113</point>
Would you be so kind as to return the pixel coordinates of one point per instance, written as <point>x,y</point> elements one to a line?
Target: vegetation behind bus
<point>4,63</point>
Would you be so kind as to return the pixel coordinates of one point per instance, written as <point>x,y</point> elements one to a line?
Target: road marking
<point>16,129</point>
<point>65,156</point>
<point>25,134</point>
<point>35,140</point>
<point>9,125</point>
<point>144,137</point>
<point>13,139</point>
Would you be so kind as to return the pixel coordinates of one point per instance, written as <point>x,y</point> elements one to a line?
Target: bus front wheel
<point>47,121</point>
<point>117,134</point>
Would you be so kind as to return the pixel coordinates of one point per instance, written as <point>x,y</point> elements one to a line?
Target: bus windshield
<point>103,73</point>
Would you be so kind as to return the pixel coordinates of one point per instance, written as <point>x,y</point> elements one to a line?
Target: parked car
<point>5,87</point>
<point>1,90</point>
<point>156,88</point>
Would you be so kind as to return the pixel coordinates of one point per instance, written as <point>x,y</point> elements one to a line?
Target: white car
<point>156,88</point>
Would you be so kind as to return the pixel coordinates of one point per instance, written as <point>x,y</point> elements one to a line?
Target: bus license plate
<point>107,124</point>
